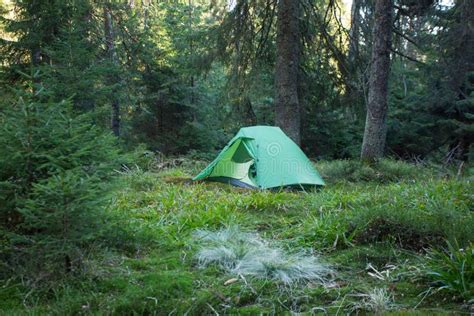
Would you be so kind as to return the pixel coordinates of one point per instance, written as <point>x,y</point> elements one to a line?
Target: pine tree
<point>433,100</point>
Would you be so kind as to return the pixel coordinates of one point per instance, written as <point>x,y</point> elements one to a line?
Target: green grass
<point>372,224</point>
<point>453,269</point>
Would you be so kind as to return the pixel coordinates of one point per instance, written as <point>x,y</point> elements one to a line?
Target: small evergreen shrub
<point>53,169</point>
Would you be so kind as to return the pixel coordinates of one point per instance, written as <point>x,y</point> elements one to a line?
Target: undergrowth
<point>382,232</point>
<point>452,269</point>
<point>383,171</point>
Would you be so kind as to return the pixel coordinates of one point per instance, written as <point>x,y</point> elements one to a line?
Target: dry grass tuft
<point>247,254</point>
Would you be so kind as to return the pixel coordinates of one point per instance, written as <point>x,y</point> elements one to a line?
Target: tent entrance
<point>236,165</point>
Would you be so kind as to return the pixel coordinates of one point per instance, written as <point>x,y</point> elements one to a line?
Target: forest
<point>125,126</point>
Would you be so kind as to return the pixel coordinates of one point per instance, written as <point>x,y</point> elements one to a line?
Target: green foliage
<point>453,269</point>
<point>432,101</point>
<point>189,74</point>
<point>177,106</point>
<point>54,168</point>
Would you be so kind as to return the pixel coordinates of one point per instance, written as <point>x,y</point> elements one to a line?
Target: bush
<point>53,166</point>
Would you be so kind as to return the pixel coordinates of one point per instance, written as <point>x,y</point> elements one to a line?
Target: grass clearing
<point>375,235</point>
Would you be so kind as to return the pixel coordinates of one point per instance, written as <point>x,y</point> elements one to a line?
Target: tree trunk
<point>192,82</point>
<point>35,62</point>
<point>287,107</point>
<point>354,33</point>
<point>354,90</point>
<point>36,57</point>
<point>145,5</point>
<point>375,126</point>
<point>246,112</point>
<point>109,41</point>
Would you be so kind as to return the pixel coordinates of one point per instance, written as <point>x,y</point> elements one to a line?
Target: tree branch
<point>406,56</point>
<point>406,37</point>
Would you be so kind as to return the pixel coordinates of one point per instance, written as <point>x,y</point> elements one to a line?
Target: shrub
<point>53,166</point>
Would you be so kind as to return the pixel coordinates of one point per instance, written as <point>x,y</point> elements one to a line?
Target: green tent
<point>262,157</point>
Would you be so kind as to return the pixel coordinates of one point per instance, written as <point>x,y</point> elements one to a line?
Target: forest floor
<point>374,228</point>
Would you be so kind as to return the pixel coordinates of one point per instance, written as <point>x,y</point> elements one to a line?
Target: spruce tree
<point>53,168</point>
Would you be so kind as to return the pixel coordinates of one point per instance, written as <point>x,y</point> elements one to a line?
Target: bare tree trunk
<point>145,5</point>
<point>35,62</point>
<point>109,41</point>
<point>287,107</point>
<point>36,57</point>
<point>375,126</point>
<point>354,90</point>
<point>192,82</point>
<point>354,32</point>
<point>245,110</point>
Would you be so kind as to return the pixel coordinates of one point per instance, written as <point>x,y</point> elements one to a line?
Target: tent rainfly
<point>262,157</point>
